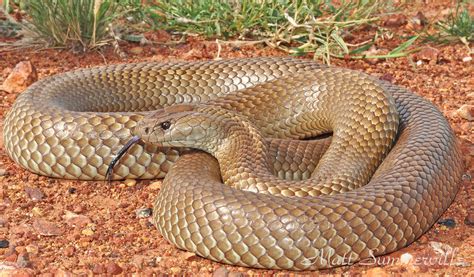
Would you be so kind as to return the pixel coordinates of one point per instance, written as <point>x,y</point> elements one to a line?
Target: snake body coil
<point>71,125</point>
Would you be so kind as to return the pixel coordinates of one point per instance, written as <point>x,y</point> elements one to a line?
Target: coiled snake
<point>378,198</point>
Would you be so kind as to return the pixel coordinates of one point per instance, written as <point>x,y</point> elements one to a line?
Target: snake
<point>274,193</point>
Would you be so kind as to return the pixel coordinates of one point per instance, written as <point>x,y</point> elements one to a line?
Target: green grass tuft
<point>299,27</point>
<point>458,26</point>
<point>77,24</point>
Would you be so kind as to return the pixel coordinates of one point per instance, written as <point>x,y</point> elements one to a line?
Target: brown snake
<point>381,198</point>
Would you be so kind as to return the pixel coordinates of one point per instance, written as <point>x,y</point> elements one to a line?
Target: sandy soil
<point>60,226</point>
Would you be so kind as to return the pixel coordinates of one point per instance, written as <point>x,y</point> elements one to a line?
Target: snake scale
<point>357,205</point>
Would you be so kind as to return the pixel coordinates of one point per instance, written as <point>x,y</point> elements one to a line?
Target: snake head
<point>176,126</point>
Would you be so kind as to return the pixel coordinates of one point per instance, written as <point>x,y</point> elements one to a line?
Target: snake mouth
<point>110,169</point>
<point>134,140</point>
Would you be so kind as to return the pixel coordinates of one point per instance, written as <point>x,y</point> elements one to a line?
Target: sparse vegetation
<point>298,27</point>
<point>458,26</point>
<point>78,24</point>
<point>319,27</point>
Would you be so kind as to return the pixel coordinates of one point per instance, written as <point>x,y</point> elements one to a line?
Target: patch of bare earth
<point>58,226</point>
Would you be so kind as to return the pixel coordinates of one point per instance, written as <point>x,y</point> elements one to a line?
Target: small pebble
<point>236,274</point>
<point>3,221</point>
<point>69,251</point>
<point>175,270</point>
<point>138,261</point>
<point>221,272</point>
<point>469,220</point>
<point>76,220</point>
<point>130,182</point>
<point>3,172</point>
<point>11,257</point>
<point>98,269</point>
<point>423,239</point>
<point>189,256</point>
<point>155,185</point>
<point>71,190</point>
<point>87,232</point>
<point>32,249</point>
<point>144,212</point>
<point>448,222</point>
<point>427,53</point>
<point>46,228</point>
<point>113,268</point>
<point>4,243</point>
<point>23,75</point>
<point>23,260</point>
<point>136,50</point>
<point>466,112</point>
<point>34,193</point>
<point>467,59</point>
<point>36,211</point>
<point>406,258</point>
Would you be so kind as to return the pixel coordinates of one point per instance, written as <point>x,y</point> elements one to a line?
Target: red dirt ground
<point>109,238</point>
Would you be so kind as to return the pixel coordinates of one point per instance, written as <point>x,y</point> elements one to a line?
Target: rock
<point>34,193</point>
<point>36,211</point>
<point>71,190</point>
<point>144,212</point>
<point>113,268</point>
<point>423,239</point>
<point>448,222</point>
<point>23,260</point>
<point>189,256</point>
<point>136,50</point>
<point>23,75</point>
<point>387,77</point>
<point>466,112</point>
<point>87,232</point>
<point>4,243</point>
<point>32,249</point>
<point>175,270</point>
<point>11,257</point>
<point>3,172</point>
<point>441,248</point>
<point>155,185</point>
<point>46,228</point>
<point>138,261</point>
<point>99,269</point>
<point>427,53</point>
<point>469,220</point>
<point>76,220</point>
<point>69,251</point>
<point>420,19</point>
<point>130,182</point>
<point>376,272</point>
<point>159,36</point>
<point>395,20</point>
<point>3,221</point>
<point>406,258</point>
<point>221,272</point>
<point>467,59</point>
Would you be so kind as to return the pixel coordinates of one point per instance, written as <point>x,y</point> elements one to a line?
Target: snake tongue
<point>110,169</point>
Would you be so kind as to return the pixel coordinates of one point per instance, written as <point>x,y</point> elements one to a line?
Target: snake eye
<point>147,129</point>
<point>165,125</point>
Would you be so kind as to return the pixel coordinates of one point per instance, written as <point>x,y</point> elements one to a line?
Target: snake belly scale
<point>70,126</point>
